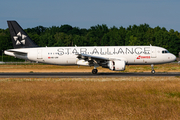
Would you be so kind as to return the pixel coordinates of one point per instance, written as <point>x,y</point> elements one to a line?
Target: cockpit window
<point>165,51</point>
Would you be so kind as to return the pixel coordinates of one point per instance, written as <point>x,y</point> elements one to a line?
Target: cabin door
<point>153,52</point>
<point>39,54</point>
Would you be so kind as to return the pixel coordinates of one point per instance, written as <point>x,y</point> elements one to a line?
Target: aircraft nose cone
<point>173,57</point>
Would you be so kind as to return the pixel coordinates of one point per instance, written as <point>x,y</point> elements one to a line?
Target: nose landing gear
<point>152,67</point>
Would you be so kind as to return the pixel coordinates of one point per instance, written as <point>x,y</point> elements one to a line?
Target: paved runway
<point>81,75</point>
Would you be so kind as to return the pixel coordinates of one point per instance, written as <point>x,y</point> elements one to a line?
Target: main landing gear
<point>94,71</point>
<point>152,67</point>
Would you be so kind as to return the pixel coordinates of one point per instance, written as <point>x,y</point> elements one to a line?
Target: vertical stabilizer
<point>19,37</point>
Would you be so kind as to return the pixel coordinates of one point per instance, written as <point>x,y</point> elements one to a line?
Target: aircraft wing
<point>90,60</point>
<point>94,60</point>
<point>91,57</point>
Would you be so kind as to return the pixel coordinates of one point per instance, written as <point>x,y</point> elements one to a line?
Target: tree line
<point>99,35</point>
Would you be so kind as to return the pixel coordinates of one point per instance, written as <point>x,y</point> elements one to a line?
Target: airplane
<point>113,57</point>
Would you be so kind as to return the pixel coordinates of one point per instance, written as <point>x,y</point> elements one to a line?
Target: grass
<point>54,68</point>
<point>90,98</point>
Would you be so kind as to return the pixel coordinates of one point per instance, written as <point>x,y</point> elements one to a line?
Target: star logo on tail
<point>20,39</point>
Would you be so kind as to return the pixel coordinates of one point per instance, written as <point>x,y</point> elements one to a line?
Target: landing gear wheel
<point>153,71</point>
<point>94,71</point>
<point>152,67</point>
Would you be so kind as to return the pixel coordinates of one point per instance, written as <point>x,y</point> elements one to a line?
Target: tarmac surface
<point>84,75</point>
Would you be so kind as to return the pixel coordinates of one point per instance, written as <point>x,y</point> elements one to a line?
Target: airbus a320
<point>113,57</point>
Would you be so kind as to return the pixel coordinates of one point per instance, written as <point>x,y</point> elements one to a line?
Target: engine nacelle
<point>117,65</point>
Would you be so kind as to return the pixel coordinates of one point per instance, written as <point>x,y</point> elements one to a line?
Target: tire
<point>94,71</point>
<point>153,71</point>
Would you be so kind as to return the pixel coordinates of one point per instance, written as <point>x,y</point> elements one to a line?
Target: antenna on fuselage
<point>150,45</point>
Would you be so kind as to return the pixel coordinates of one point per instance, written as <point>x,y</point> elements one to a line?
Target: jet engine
<point>117,65</point>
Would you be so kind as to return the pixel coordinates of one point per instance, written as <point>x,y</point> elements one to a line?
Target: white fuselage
<point>132,55</point>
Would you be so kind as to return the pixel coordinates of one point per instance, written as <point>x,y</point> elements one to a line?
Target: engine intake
<point>117,65</point>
